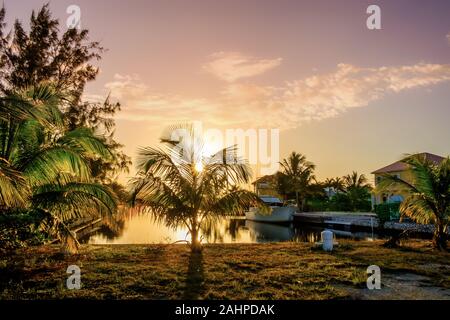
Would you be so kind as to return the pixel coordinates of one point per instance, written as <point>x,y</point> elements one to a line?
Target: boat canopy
<point>269,199</point>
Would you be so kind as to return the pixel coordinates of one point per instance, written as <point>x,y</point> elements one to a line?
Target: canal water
<point>130,228</point>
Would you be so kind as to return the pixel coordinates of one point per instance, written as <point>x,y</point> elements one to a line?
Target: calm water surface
<point>130,228</point>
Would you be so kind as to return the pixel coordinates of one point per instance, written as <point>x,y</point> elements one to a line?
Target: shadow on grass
<point>195,278</point>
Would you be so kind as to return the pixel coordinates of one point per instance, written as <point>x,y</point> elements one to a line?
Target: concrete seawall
<point>357,221</point>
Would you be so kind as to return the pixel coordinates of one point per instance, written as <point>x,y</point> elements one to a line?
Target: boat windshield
<point>272,201</point>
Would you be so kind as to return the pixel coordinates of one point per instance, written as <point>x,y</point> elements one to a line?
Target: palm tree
<point>357,190</point>
<point>44,167</point>
<point>335,184</point>
<point>338,184</point>
<point>355,181</point>
<point>428,199</point>
<point>298,174</point>
<point>180,186</point>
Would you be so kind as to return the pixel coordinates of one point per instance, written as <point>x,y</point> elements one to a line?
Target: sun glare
<point>199,167</point>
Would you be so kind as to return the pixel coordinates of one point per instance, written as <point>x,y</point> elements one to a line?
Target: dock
<point>353,221</point>
<point>348,220</point>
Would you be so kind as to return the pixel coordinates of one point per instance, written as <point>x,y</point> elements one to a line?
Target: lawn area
<point>229,271</point>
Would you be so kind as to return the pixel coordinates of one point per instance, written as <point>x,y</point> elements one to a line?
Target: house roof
<point>264,179</point>
<point>401,166</point>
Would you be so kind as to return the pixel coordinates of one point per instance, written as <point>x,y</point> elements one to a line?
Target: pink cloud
<point>314,98</point>
<point>231,66</point>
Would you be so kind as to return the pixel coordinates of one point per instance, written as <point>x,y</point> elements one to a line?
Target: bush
<point>387,211</point>
<point>341,202</point>
<point>317,205</point>
<point>20,229</point>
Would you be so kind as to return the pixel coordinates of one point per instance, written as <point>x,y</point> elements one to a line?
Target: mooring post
<point>327,240</point>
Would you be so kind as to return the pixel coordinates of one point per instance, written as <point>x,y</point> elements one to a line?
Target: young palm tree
<point>180,186</point>
<point>428,199</point>
<point>298,174</point>
<point>44,168</point>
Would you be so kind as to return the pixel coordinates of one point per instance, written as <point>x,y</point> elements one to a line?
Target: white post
<point>371,224</point>
<point>327,240</point>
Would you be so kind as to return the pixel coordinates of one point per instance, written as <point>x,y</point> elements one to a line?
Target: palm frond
<point>418,208</point>
<point>75,200</point>
<point>44,166</point>
<point>14,190</point>
<point>234,202</point>
<point>84,141</point>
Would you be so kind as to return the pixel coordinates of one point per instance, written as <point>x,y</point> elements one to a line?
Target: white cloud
<point>127,85</point>
<point>317,97</point>
<point>231,66</point>
<point>448,37</point>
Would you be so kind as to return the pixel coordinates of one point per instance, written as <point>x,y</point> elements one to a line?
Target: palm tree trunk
<point>196,246</point>
<point>440,236</point>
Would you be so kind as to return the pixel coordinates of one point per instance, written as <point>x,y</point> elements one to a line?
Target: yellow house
<point>400,170</point>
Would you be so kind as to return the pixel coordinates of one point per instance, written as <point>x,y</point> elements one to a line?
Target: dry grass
<point>230,271</point>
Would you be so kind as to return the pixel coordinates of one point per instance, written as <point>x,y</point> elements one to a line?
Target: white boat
<point>278,213</point>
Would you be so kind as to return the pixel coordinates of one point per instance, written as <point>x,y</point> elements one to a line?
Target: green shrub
<point>20,229</point>
<point>387,211</point>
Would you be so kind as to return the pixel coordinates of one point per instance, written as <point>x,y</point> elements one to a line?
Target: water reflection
<point>265,232</point>
<point>132,228</point>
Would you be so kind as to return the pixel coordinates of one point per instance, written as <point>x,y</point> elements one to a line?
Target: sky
<point>347,97</point>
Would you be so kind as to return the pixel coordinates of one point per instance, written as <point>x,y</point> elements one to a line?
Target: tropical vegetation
<point>58,157</point>
<point>297,181</point>
<point>44,172</point>
<point>296,177</point>
<point>428,194</point>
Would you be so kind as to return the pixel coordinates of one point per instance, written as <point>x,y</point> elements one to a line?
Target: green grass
<point>229,271</point>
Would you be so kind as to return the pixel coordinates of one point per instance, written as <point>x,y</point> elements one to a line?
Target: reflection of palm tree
<point>232,228</point>
<point>113,226</point>
<point>307,234</point>
<point>297,176</point>
<point>428,199</point>
<point>182,187</point>
<point>44,166</point>
<point>211,230</point>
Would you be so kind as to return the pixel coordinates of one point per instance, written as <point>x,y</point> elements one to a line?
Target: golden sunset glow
<point>199,167</point>
<point>244,151</point>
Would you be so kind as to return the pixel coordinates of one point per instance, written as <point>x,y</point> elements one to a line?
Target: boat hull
<point>278,214</point>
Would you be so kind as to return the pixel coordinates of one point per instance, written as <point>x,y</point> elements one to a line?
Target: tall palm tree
<point>181,186</point>
<point>428,194</point>
<point>355,180</point>
<point>298,174</point>
<point>44,167</point>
